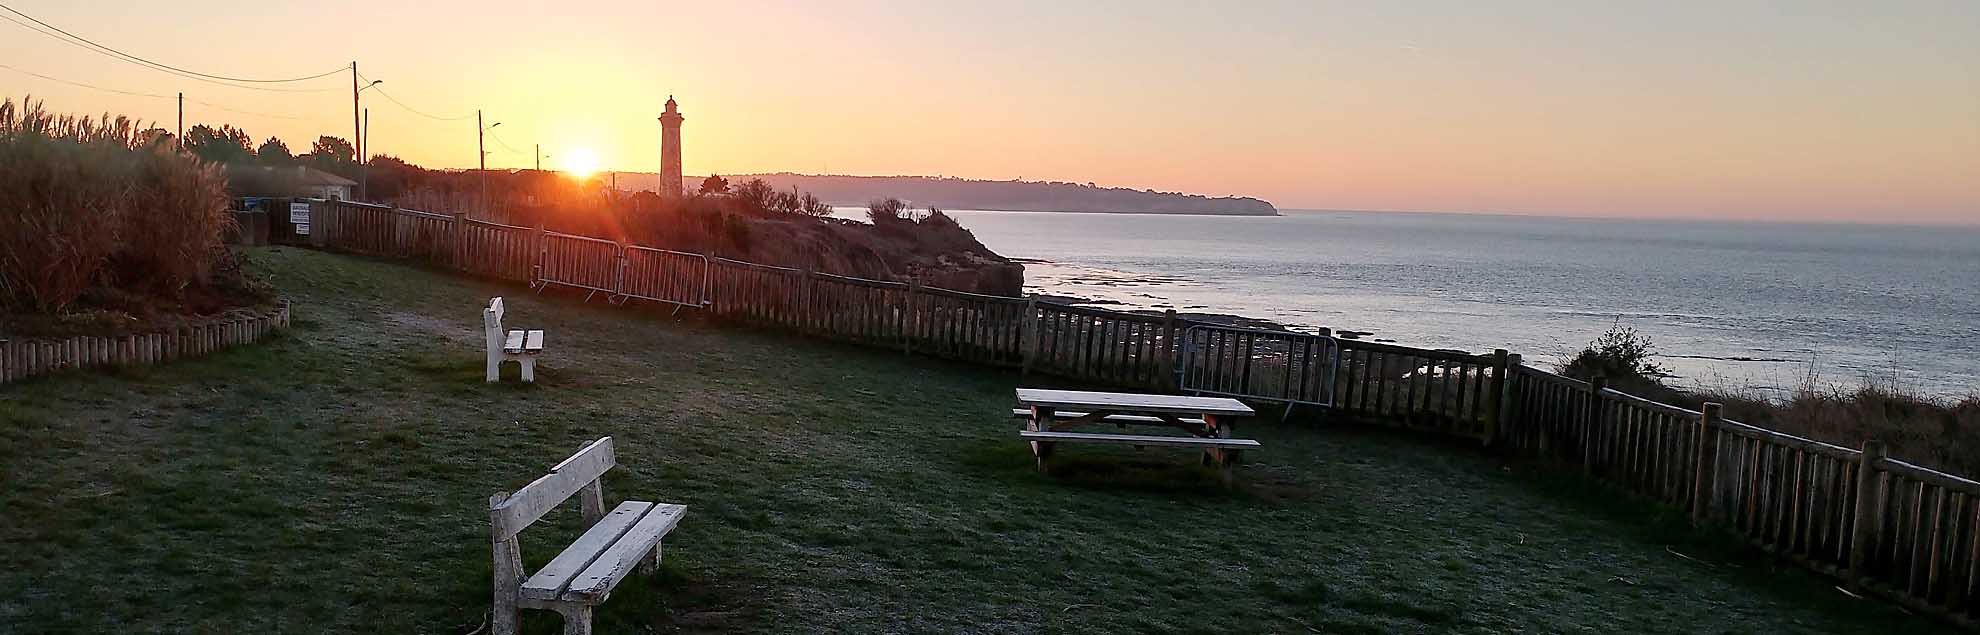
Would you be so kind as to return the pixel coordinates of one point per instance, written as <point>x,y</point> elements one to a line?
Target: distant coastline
<point>975,194</point>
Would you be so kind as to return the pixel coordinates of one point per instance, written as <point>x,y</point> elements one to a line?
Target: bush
<point>1621,353</point>
<point>100,203</point>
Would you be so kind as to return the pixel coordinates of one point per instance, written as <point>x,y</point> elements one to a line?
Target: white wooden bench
<point>584,574</point>
<point>519,345</point>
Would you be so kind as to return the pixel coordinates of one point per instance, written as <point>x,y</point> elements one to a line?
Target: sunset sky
<point>1848,111</point>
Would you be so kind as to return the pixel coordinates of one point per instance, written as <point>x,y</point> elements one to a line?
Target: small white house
<point>316,183</point>
<point>247,179</point>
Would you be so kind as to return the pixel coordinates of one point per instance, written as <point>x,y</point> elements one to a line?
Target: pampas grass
<point>100,203</point>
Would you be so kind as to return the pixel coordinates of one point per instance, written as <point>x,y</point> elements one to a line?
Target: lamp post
<point>364,167</point>
<point>481,148</point>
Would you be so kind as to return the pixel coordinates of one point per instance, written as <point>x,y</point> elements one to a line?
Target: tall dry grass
<point>1942,433</point>
<point>100,204</point>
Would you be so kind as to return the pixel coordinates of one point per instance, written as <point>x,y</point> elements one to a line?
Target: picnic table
<point>1052,415</point>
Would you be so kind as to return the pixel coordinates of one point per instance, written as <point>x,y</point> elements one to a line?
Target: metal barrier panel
<point>660,275</point>
<point>1281,366</point>
<point>576,261</point>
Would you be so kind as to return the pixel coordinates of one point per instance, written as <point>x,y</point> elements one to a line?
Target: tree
<point>888,212</point>
<point>334,155</point>
<point>274,152</point>
<point>754,196</point>
<point>795,202</point>
<point>224,145</point>
<point>714,185</point>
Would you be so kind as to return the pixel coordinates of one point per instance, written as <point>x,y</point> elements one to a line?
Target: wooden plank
<point>513,343</point>
<point>597,580</point>
<point>544,494</point>
<point>1137,439</point>
<point>551,580</point>
<point>1132,401</point>
<point>1023,413</point>
<point>533,342</point>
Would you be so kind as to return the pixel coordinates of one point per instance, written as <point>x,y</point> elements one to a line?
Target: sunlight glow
<point>581,162</point>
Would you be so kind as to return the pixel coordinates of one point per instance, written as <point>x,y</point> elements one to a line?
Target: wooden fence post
<point>908,319</point>
<point>1869,507</point>
<point>1028,336</point>
<point>458,254</point>
<point>1705,464</point>
<point>1591,437</point>
<point>1171,351</point>
<point>538,249</point>
<point>1496,396</point>
<point>319,223</point>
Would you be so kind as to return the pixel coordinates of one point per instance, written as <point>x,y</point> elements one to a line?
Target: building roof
<point>249,179</point>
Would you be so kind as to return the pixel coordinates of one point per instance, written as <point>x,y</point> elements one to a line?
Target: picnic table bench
<point>523,346</point>
<point>584,574</point>
<point>1051,415</point>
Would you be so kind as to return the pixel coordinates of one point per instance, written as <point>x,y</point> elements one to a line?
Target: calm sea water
<point>1727,304</point>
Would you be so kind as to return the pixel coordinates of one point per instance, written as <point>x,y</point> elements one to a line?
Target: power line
<point>89,45</point>
<point>89,86</point>
<point>247,112</point>
<point>388,97</point>
<point>504,144</point>
<point>207,104</point>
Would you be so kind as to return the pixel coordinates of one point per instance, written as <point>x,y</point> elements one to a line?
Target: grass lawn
<point>337,479</point>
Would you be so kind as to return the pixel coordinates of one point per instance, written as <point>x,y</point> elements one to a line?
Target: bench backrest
<point>509,515</point>
<point>491,323</point>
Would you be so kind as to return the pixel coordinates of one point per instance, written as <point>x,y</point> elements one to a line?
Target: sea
<point>1762,307</point>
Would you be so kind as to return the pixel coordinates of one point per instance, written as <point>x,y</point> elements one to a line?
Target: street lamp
<point>481,147</point>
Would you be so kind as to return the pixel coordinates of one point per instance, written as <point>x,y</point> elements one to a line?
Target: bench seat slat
<point>552,579</point>
<point>513,343</point>
<point>1177,404</point>
<point>533,342</point>
<point>1025,413</point>
<point>1137,439</point>
<point>597,580</point>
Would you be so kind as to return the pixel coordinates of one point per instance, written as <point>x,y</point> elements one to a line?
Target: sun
<point>581,163</point>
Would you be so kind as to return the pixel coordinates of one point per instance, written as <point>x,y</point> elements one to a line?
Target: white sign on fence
<point>299,216</point>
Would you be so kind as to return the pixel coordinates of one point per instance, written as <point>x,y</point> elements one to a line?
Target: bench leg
<point>651,565</point>
<point>528,369</point>
<point>577,619</point>
<point>494,369</point>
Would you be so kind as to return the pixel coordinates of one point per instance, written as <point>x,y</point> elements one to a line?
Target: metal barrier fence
<point>1266,365</point>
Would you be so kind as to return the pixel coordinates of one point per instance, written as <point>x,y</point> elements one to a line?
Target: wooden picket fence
<point>21,358</point>
<point>1880,524</point>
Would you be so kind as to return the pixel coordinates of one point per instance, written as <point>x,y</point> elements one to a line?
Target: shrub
<point>1619,353</point>
<point>100,203</point>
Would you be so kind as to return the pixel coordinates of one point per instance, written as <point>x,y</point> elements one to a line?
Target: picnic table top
<point>1133,402</point>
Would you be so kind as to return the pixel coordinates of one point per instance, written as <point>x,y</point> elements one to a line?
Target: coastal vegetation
<point>830,488</point>
<point>1935,431</point>
<point>104,224</point>
<point>745,220</point>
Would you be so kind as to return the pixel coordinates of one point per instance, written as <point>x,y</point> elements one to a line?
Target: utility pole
<point>481,150</point>
<point>364,167</point>
<point>357,127</point>
<point>539,157</point>
<point>182,121</point>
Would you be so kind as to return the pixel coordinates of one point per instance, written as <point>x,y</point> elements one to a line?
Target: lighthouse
<point>670,149</point>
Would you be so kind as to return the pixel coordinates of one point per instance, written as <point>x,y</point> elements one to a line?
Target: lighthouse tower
<point>670,149</point>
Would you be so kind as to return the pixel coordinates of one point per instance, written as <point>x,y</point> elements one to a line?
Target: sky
<point>1808,110</point>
